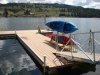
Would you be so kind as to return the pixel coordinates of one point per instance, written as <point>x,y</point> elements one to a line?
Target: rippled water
<point>84,24</point>
<point>14,60</point>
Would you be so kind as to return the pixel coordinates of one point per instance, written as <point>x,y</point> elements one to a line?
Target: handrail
<point>86,32</point>
<point>84,52</point>
<point>92,41</point>
<point>97,41</point>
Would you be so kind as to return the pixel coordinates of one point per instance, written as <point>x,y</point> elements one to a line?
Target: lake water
<point>14,60</point>
<point>84,24</point>
<point>23,23</point>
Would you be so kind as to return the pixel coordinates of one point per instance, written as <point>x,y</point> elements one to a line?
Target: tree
<point>27,12</point>
<point>5,13</point>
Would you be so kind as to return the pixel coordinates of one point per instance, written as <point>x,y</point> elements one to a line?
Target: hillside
<point>40,10</point>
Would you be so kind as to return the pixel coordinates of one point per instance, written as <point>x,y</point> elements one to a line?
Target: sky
<point>84,3</point>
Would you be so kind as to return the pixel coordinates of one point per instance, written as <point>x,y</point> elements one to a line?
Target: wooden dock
<point>39,47</point>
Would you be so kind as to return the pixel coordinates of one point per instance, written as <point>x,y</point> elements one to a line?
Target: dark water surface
<point>14,60</point>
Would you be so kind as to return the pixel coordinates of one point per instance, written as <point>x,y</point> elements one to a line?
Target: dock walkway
<point>38,44</point>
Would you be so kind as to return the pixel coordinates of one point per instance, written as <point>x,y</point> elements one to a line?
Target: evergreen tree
<point>5,13</point>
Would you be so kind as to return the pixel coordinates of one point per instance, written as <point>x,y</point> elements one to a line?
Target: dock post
<point>39,30</point>
<point>15,31</point>
<point>71,46</point>
<point>44,66</point>
<point>93,46</point>
<point>90,42</point>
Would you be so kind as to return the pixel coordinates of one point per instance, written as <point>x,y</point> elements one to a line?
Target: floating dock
<point>41,49</point>
<point>40,46</point>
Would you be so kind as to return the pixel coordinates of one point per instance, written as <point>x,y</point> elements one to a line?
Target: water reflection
<point>14,60</point>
